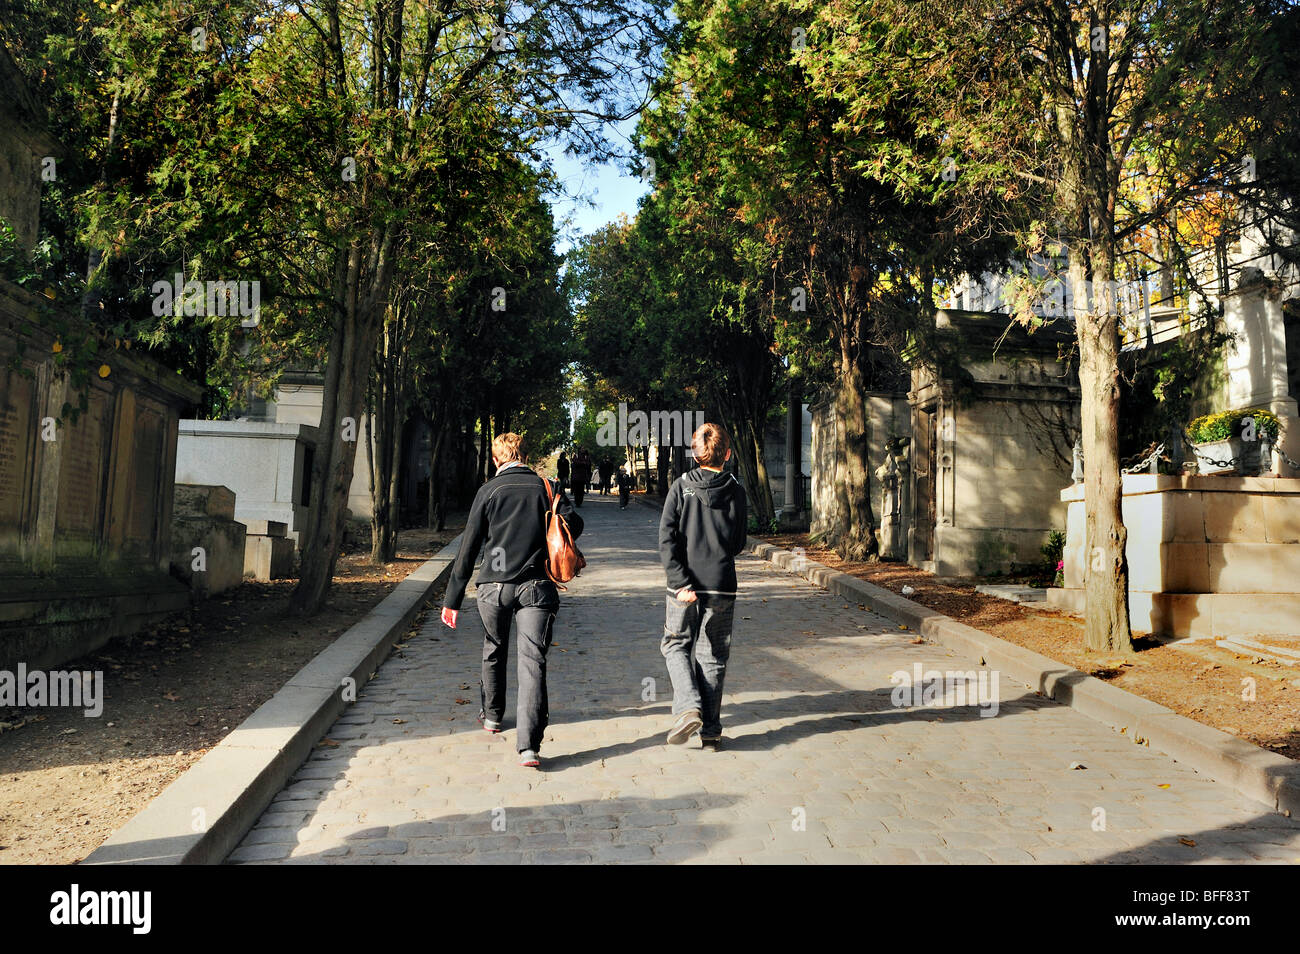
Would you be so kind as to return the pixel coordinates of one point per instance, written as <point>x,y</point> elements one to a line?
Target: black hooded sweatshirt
<point>701,531</point>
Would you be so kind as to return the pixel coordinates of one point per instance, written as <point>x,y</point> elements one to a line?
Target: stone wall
<point>888,418</point>
<point>85,505</point>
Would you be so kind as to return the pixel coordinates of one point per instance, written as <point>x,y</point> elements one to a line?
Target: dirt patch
<point>67,782</point>
<point>1197,680</point>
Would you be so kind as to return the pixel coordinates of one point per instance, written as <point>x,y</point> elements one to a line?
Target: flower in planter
<point>1228,424</point>
<point>1233,441</point>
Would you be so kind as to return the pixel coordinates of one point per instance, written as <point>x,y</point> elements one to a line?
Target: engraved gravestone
<point>15,441</point>
<point>81,478</point>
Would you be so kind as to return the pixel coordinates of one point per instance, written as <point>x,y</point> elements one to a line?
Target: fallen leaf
<point>399,722</point>
<point>171,696</point>
<point>328,744</point>
<point>1163,785</point>
<point>1187,841</point>
<point>919,639</point>
<point>462,702</point>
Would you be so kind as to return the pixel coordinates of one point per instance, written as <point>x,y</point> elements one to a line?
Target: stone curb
<point>1257,773</point>
<point>226,791</point>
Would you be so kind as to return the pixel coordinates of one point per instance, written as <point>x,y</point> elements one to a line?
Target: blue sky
<point>610,185</point>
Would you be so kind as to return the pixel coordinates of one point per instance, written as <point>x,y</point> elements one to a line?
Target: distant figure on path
<point>581,475</point>
<point>624,488</point>
<point>701,531</point>
<point>562,470</point>
<point>508,514</point>
<point>606,469</point>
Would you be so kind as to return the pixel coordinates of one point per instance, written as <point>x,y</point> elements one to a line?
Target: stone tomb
<point>1208,557</point>
<point>268,466</point>
<point>85,505</point>
<point>268,554</point>
<point>207,542</point>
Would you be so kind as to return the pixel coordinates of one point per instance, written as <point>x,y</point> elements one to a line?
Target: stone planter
<point>1252,458</point>
<point>1208,455</point>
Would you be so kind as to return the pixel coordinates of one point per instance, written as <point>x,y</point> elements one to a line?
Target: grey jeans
<point>532,604</point>
<point>703,630</point>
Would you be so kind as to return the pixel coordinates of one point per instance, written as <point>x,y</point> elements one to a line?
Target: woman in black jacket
<point>509,516</point>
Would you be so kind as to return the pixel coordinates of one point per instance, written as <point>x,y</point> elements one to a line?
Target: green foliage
<point>1227,424</point>
<point>37,272</point>
<point>1054,548</point>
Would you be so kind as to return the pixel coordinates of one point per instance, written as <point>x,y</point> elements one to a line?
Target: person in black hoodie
<point>700,532</point>
<point>508,514</point>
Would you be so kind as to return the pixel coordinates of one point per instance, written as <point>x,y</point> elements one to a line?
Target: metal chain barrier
<point>1146,462</point>
<point>1293,464</point>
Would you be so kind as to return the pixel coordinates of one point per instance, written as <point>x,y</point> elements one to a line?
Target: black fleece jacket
<point>508,513</point>
<point>701,531</point>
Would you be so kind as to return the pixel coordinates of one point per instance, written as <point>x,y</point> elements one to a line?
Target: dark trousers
<point>532,604</point>
<point>578,490</point>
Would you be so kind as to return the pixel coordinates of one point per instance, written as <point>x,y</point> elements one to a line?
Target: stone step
<point>1280,650</point>
<point>1200,615</point>
<point>204,500</point>
<point>1013,592</point>
<point>266,528</point>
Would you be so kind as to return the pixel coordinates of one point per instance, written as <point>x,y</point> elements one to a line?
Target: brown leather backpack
<point>564,560</point>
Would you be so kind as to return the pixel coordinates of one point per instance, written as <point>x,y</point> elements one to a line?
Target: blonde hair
<point>509,447</point>
<point>710,444</point>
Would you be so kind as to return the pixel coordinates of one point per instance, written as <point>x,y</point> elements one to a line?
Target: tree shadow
<point>612,831</point>
<point>1266,838</point>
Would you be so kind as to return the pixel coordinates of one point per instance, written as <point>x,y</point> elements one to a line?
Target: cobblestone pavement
<point>818,764</point>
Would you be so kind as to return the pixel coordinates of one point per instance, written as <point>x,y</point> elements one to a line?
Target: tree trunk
<point>1089,184</point>
<point>347,369</point>
<point>394,502</point>
<point>1106,619</point>
<point>854,535</point>
<point>435,511</point>
<point>748,449</point>
<point>385,446</point>
<point>362,279</point>
<point>374,465</point>
<point>485,428</point>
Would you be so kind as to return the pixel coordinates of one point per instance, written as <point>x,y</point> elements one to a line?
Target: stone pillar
<point>794,513</point>
<point>1256,363</point>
